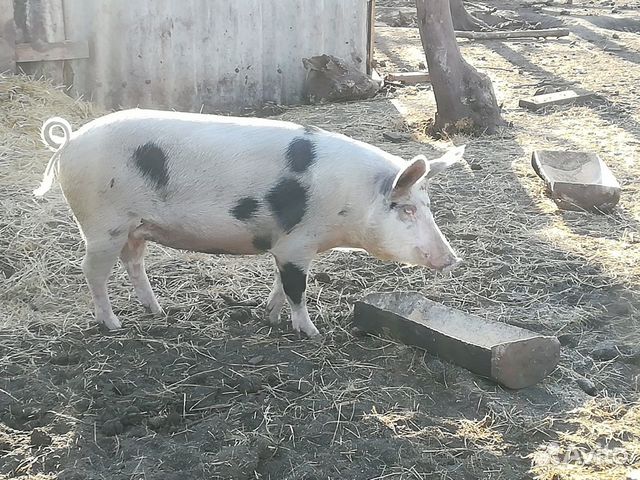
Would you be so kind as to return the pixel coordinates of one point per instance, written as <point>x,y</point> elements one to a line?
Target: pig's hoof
<point>111,322</point>
<point>317,338</point>
<point>308,329</point>
<point>154,309</point>
<point>273,313</point>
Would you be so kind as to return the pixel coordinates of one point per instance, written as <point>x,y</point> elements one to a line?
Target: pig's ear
<point>439,164</point>
<point>409,176</point>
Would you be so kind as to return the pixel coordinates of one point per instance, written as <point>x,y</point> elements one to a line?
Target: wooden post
<point>371,5</point>
<point>7,37</point>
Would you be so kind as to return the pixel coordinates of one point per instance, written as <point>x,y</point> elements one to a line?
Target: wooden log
<point>550,32</point>
<point>38,52</point>
<point>511,356</point>
<point>577,180</point>
<point>7,37</point>
<point>408,78</point>
<point>566,97</point>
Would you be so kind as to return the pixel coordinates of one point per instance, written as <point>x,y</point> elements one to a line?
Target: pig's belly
<point>231,241</point>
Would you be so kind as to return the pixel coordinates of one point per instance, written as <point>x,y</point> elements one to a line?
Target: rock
<point>606,351</point>
<point>322,277</point>
<point>255,360</point>
<point>248,384</point>
<point>241,315</point>
<point>40,438</point>
<point>615,36</point>
<point>396,137</point>
<point>132,416</point>
<point>567,340</point>
<point>112,427</point>
<point>332,79</point>
<point>587,386</point>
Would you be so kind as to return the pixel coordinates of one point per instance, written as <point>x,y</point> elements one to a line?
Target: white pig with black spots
<point>237,186</point>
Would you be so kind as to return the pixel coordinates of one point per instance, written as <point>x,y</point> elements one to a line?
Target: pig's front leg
<point>293,278</point>
<point>276,300</point>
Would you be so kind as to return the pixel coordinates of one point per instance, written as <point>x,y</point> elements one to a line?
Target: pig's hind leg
<point>103,248</point>
<point>132,256</point>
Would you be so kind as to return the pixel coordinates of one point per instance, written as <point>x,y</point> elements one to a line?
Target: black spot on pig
<point>311,129</point>
<point>262,243</point>
<point>294,281</point>
<point>288,202</point>
<point>245,208</point>
<point>301,153</point>
<point>152,163</point>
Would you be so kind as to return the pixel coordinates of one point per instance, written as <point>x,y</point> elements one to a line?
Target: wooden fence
<point>187,54</point>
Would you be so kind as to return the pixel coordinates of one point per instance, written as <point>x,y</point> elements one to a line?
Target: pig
<point>237,186</point>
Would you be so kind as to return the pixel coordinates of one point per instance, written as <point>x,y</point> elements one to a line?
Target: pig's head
<point>401,226</point>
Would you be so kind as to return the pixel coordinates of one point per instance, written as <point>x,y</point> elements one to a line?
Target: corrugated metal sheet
<point>207,54</point>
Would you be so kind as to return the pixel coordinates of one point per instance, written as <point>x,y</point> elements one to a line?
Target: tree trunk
<point>464,97</point>
<point>463,20</point>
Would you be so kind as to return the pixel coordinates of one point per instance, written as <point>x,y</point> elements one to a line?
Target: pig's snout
<point>442,263</point>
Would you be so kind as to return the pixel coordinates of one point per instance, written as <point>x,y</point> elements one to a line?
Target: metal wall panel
<point>207,54</point>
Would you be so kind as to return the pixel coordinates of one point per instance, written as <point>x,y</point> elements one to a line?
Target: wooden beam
<point>409,78</point>
<point>566,97</point>
<point>509,355</point>
<point>550,32</point>
<point>7,37</point>
<point>38,52</point>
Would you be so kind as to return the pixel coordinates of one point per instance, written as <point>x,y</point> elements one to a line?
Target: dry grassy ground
<point>211,391</point>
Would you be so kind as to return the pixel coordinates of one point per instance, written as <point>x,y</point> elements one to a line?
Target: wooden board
<point>7,37</point>
<point>538,102</point>
<point>577,180</point>
<point>511,356</point>
<point>505,35</point>
<point>408,78</point>
<point>38,52</point>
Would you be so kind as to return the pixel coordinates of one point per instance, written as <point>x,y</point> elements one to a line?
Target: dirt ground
<point>211,391</point>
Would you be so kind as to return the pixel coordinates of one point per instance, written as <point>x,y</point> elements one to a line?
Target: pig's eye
<point>409,209</point>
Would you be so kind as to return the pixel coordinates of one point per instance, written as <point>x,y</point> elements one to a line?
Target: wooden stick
<point>550,32</point>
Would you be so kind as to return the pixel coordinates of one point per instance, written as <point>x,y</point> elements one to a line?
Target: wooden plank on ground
<point>505,35</point>
<point>7,37</point>
<point>38,52</point>
<point>408,78</point>
<point>538,102</point>
<point>511,356</point>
